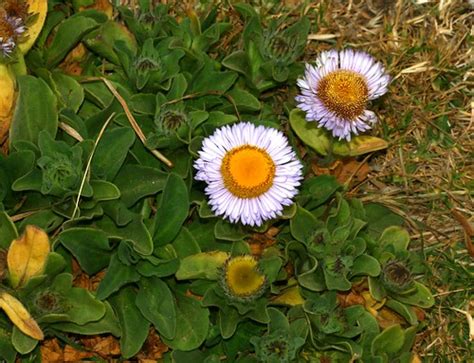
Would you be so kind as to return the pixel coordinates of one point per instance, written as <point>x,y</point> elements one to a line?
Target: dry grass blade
<point>134,123</point>
<point>70,131</point>
<point>88,166</point>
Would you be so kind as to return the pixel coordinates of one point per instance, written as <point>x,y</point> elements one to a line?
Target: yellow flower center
<point>344,92</point>
<point>242,277</point>
<point>248,171</point>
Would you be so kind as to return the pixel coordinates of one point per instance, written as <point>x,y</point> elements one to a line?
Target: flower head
<point>11,29</point>
<point>242,280</point>
<point>335,91</point>
<point>397,277</point>
<point>251,172</point>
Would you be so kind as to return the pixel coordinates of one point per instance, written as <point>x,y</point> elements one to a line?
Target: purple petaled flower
<point>11,28</point>
<point>335,91</point>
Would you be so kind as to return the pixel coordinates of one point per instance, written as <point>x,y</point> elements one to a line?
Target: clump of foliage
<point>83,166</point>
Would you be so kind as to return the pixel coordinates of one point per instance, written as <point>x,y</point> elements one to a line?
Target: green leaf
<point>317,190</point>
<point>203,265</point>
<point>104,190</point>
<point>7,351</point>
<point>421,297</point>
<point>303,225</point>
<point>79,306</point>
<point>90,246</point>
<point>137,181</point>
<point>33,114</point>
<point>229,318</point>
<point>156,303</point>
<point>243,100</point>
<point>185,244</point>
<point>71,93</point>
<point>395,236</point>
<point>237,61</point>
<point>8,230</point>
<point>390,341</point>
<point>118,275</point>
<point>208,79</point>
<point>365,265</point>
<point>380,217</point>
<point>111,152</point>
<point>107,324</point>
<point>172,210</point>
<point>229,232</point>
<point>336,281</point>
<point>192,324</point>
<point>134,232</point>
<point>22,342</point>
<point>134,325</point>
<point>315,137</point>
<point>278,321</point>
<point>69,33</point>
<point>102,40</point>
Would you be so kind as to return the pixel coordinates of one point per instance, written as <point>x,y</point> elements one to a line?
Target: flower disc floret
<point>248,171</point>
<point>251,172</point>
<point>335,91</point>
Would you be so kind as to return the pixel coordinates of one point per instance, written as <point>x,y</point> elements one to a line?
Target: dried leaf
<point>352,170</point>
<point>20,316</point>
<point>51,351</point>
<point>72,64</point>
<point>326,170</point>
<point>27,255</point>
<point>387,317</point>
<point>72,354</point>
<point>153,349</point>
<point>104,346</point>
<point>81,279</point>
<point>344,170</point>
<point>349,299</point>
<point>259,241</point>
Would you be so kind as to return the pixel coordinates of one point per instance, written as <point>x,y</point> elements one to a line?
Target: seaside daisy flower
<point>251,172</point>
<point>335,91</point>
<point>11,29</point>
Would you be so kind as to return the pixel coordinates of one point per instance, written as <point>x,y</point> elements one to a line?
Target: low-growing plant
<point>104,154</point>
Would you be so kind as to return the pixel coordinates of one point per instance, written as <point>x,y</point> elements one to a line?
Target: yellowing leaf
<point>7,99</point>
<point>204,265</point>
<point>20,316</point>
<point>291,297</point>
<point>359,145</point>
<point>27,255</point>
<point>39,8</point>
